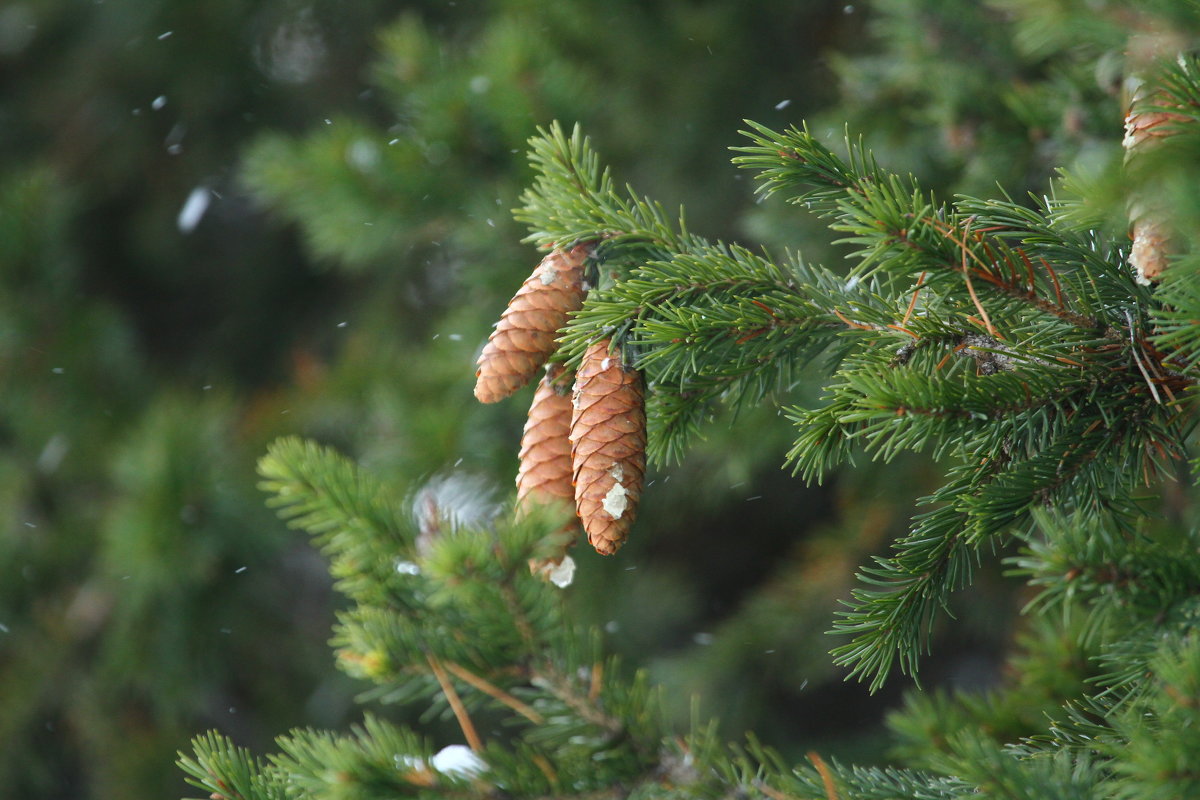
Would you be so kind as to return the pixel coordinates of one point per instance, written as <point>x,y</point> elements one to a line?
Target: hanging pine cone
<point>608,446</point>
<point>525,335</point>
<point>1147,123</point>
<point>1151,247</point>
<point>544,475</point>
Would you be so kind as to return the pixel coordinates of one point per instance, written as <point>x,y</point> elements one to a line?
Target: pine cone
<point>525,335</point>
<point>1146,124</point>
<point>1151,245</point>
<point>608,446</point>
<point>544,475</point>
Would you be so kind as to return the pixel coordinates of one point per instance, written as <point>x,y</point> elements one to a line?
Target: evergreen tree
<point>1021,342</point>
<point>169,304</point>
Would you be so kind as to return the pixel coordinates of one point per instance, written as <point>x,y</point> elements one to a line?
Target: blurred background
<point>223,222</point>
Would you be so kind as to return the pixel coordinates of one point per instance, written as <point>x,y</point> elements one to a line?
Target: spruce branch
<point>229,772</point>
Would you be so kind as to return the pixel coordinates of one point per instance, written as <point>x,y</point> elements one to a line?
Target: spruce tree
<point>1018,340</point>
<point>149,355</point>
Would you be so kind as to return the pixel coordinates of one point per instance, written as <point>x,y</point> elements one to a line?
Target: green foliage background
<point>361,161</point>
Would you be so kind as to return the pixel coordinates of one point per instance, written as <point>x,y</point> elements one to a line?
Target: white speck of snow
<point>455,337</point>
<point>206,387</point>
<point>174,140</point>
<point>491,222</point>
<point>342,324</point>
<point>617,471</point>
<point>159,102</point>
<point>755,497</point>
<point>392,142</point>
<point>848,9</point>
<point>239,570</point>
<point>30,525</point>
<point>3,628</point>
<point>547,275</point>
<point>480,84</point>
<point>328,121</point>
<point>407,568</point>
<point>562,573</point>
<point>458,759</point>
<point>606,363</point>
<point>53,453</point>
<point>616,501</point>
<point>612,626</point>
<point>782,104</point>
<point>165,35</point>
<point>57,370</point>
<point>193,209</point>
<point>703,639</point>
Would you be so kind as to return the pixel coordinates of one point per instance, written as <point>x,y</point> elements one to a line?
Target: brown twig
<point>597,682</point>
<point>913,302</point>
<point>991,329</point>
<point>772,793</point>
<point>1058,298</point>
<point>850,322</point>
<point>456,705</point>
<point>495,692</point>
<point>826,775</point>
<point>547,769</point>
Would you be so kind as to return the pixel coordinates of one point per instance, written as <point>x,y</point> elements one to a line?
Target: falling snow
<point>193,209</point>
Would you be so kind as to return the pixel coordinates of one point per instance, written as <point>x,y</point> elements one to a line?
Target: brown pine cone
<point>544,475</point>
<point>1151,246</point>
<point>527,331</point>
<point>1146,124</point>
<point>608,446</point>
